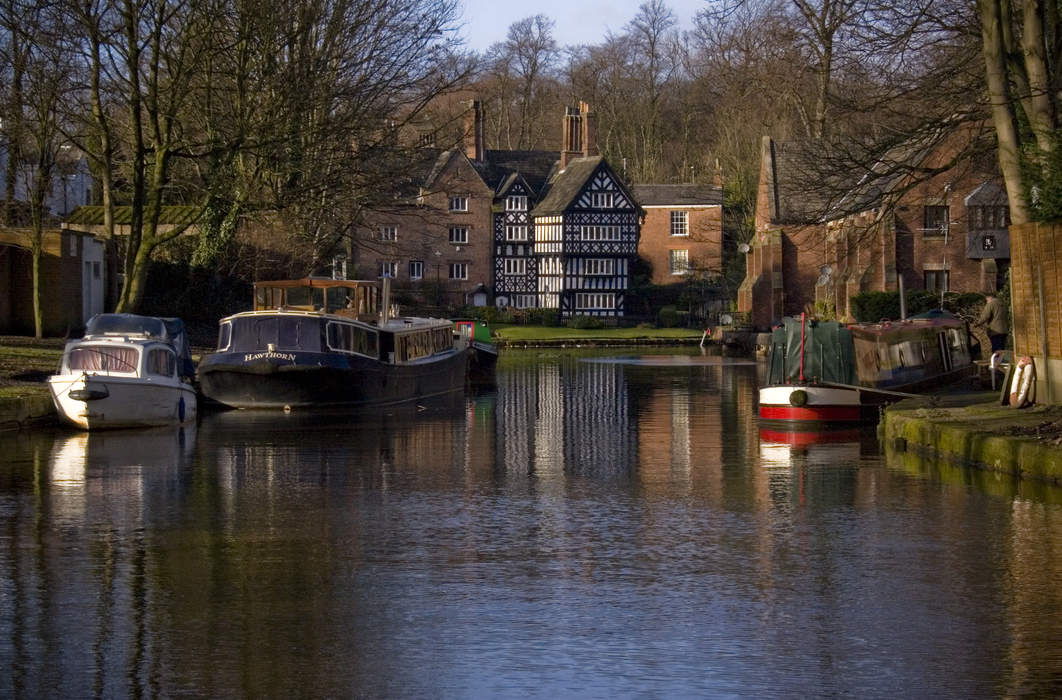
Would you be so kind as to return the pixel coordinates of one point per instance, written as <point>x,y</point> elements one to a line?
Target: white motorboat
<point>128,371</point>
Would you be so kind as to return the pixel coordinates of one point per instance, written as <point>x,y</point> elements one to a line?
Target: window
<point>515,233</point>
<point>936,221</point>
<point>515,266</point>
<point>679,262</point>
<point>459,203</point>
<point>601,200</point>
<point>993,217</point>
<point>95,270</point>
<point>595,301</point>
<point>103,359</point>
<point>388,233</point>
<point>388,269</point>
<point>516,203</point>
<point>73,244</point>
<point>598,266</point>
<point>458,271</point>
<point>936,280</point>
<point>459,235</point>
<point>680,225</point>
<point>599,233</point>
<point>161,362</point>
<point>524,301</point>
<point>349,338</point>
<point>416,269</point>
<point>224,336</point>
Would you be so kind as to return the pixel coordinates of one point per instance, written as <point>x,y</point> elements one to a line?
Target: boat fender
<point>1021,387</point>
<point>180,409</point>
<point>799,397</point>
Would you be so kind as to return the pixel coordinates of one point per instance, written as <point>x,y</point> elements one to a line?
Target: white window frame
<point>523,301</point>
<point>388,232</point>
<point>678,261</point>
<point>599,232</point>
<point>459,202</point>
<point>516,232</point>
<point>516,266</point>
<point>599,267</point>
<point>516,202</point>
<point>459,235</point>
<point>680,223</point>
<point>602,200</point>
<point>458,271</point>
<point>595,301</point>
<point>416,269</point>
<point>389,268</point>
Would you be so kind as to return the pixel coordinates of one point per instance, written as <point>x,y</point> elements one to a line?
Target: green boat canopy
<point>829,355</point>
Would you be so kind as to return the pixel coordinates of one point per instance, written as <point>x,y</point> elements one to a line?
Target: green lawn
<point>525,333</point>
<point>25,363</point>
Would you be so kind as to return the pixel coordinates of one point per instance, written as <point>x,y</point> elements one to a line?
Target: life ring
<point>1022,387</point>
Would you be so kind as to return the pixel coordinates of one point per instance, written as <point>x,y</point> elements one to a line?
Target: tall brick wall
<point>1036,249</point>
<point>704,242</point>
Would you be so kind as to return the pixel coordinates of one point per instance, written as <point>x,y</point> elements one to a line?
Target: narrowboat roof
<point>936,318</point>
<point>393,324</point>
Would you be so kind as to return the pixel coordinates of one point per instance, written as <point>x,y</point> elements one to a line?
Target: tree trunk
<point>1003,115</point>
<point>38,316</point>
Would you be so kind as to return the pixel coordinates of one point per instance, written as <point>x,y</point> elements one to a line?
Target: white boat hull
<point>91,401</point>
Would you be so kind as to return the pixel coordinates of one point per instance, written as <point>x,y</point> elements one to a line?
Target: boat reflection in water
<point>825,446</point>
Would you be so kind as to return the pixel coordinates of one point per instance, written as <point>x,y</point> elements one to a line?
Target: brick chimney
<point>579,139</point>
<point>589,144</point>
<point>475,147</point>
<point>572,137</point>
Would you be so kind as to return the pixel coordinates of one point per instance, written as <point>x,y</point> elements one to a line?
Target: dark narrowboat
<point>324,342</point>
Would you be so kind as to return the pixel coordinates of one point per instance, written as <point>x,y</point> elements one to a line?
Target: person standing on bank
<point>994,319</point>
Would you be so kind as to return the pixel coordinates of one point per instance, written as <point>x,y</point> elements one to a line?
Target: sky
<point>575,21</point>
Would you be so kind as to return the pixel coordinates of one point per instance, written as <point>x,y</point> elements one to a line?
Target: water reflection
<point>582,528</point>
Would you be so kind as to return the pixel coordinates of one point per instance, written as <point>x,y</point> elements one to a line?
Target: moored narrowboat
<point>829,373</point>
<point>323,342</point>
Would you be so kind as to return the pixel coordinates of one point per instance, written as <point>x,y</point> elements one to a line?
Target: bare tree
<point>1022,54</point>
<point>520,84</point>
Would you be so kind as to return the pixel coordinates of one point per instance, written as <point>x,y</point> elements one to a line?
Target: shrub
<point>876,306</point>
<point>667,317</point>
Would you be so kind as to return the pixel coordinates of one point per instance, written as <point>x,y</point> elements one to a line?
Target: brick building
<point>942,231</point>
<point>551,229</point>
<point>682,232</point>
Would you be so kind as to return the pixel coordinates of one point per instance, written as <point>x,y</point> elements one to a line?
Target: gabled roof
<point>678,195</point>
<point>535,167</point>
<point>989,194</point>
<point>566,184</point>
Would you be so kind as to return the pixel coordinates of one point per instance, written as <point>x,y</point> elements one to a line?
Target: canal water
<point>594,525</point>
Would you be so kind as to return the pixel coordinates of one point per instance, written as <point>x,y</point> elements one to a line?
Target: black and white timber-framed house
<point>520,229</point>
<point>565,241</point>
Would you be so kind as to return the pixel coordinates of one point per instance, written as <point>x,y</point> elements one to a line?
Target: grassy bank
<point>551,333</point>
<point>25,363</point>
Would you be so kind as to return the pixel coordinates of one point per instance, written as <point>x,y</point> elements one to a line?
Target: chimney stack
<point>589,144</point>
<point>475,147</point>
<point>579,139</point>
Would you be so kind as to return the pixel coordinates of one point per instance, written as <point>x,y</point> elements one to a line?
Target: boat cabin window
<point>412,346</point>
<point>346,337</point>
<point>224,336</point>
<point>161,361</point>
<point>103,358</point>
<point>255,334</point>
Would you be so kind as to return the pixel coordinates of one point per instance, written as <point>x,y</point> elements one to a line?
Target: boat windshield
<point>102,358</point>
<point>257,333</point>
<point>126,324</point>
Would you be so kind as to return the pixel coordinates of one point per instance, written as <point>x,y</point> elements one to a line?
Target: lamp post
<point>438,282</point>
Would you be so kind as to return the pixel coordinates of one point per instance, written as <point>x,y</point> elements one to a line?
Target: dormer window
<point>601,200</point>
<point>516,202</point>
<point>459,203</point>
